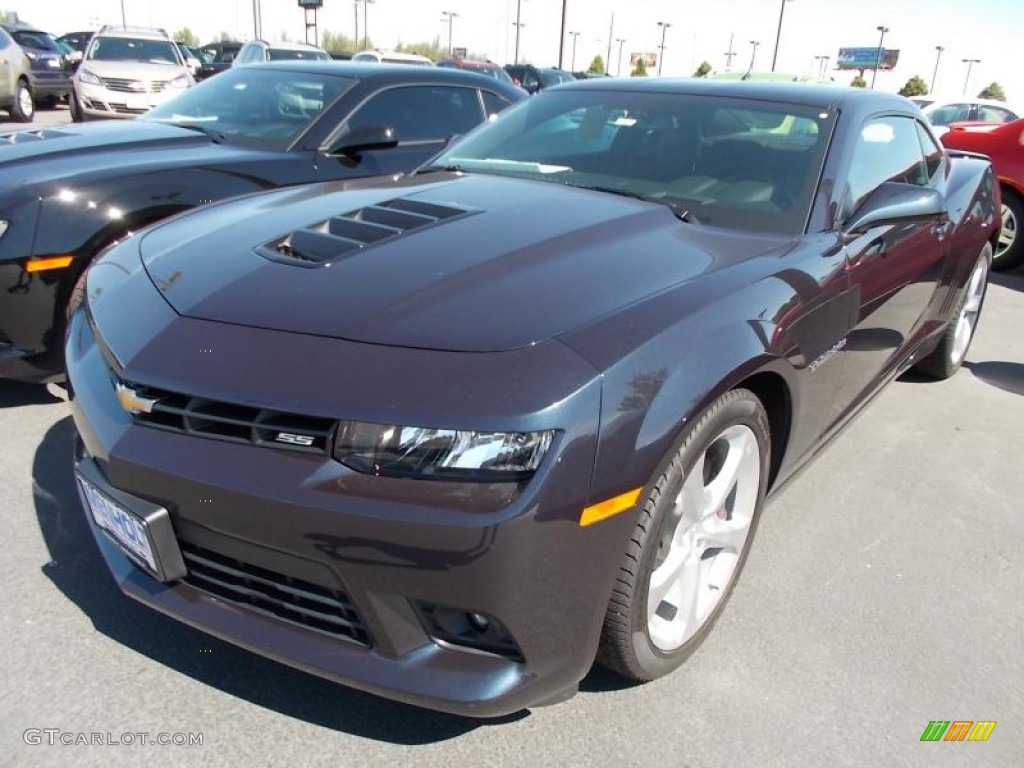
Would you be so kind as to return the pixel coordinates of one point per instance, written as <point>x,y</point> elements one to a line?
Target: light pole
<point>518,25</point>
<point>449,15</point>
<point>257,21</point>
<point>935,75</point>
<point>753,54</point>
<point>355,9</point>
<point>816,65</point>
<point>124,22</point>
<point>970,63</point>
<point>878,56</point>
<point>661,56</point>
<point>572,67</point>
<point>561,36</point>
<point>824,65</point>
<point>730,53</point>
<point>366,22</point>
<point>778,35</point>
<point>618,67</point>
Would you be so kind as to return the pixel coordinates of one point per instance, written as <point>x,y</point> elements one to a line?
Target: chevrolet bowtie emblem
<point>131,402</point>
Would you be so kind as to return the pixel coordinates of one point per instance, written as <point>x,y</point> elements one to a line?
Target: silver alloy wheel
<point>1008,233</point>
<point>703,537</point>
<point>968,317</point>
<point>25,101</point>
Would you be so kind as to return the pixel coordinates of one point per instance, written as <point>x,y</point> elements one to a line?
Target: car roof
<point>137,33</point>
<point>806,94</point>
<point>381,71</point>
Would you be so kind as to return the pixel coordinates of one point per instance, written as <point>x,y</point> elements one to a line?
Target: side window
<point>530,79</point>
<point>493,103</point>
<point>421,112</point>
<point>5,39</point>
<point>989,114</point>
<point>933,154</point>
<point>951,113</point>
<point>887,149</point>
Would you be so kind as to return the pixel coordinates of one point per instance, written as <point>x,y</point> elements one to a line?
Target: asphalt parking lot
<point>884,591</point>
<point>59,115</point>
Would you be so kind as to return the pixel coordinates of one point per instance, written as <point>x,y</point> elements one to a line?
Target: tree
<point>703,70</point>
<point>225,36</point>
<point>640,70</point>
<point>186,36</point>
<point>993,91</point>
<point>859,82</point>
<point>432,49</point>
<point>336,42</point>
<point>596,66</point>
<point>915,86</point>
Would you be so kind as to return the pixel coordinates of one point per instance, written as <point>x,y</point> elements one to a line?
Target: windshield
<point>293,54</point>
<point>734,162</point>
<point>38,40</point>
<point>134,49</point>
<point>254,106</point>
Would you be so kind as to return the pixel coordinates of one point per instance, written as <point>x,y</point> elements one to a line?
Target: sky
<point>990,30</point>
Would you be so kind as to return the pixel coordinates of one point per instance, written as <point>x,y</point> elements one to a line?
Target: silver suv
<point>126,71</point>
<point>15,85</point>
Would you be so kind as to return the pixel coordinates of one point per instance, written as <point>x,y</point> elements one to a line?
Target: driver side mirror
<point>365,139</point>
<point>895,203</point>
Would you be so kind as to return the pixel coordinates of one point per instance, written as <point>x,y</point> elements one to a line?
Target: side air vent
<point>327,241</point>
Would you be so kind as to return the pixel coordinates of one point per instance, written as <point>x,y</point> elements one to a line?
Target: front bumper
<point>49,83</point>
<point>98,101</point>
<point>390,546</point>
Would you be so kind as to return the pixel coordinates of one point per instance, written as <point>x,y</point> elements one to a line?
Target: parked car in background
<point>49,71</point>
<point>126,72</point>
<point>942,113</point>
<point>451,437</point>
<point>488,68</point>
<point>65,197</point>
<point>1004,145</point>
<point>392,57</point>
<point>258,51</point>
<point>78,42</point>
<point>218,57</point>
<point>15,80</point>
<point>193,58</point>
<point>533,79</point>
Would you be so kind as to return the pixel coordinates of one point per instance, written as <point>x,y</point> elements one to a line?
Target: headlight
<point>88,77</point>
<point>32,55</point>
<point>181,81</point>
<point>440,454</point>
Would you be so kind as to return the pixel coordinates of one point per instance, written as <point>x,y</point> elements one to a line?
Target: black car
<point>533,79</point>
<point>219,56</point>
<point>68,192</point>
<point>50,71</point>
<point>450,437</point>
<point>78,42</point>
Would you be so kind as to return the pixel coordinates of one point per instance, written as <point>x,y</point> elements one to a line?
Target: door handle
<point>942,229</point>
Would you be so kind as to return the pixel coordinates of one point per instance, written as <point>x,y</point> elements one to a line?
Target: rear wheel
<point>1010,248</point>
<point>691,541</point>
<point>949,355</point>
<point>24,108</point>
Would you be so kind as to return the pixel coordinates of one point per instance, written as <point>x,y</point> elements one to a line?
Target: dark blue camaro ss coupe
<point>449,437</point>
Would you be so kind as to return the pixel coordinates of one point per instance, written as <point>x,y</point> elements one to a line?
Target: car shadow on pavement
<point>1013,280</point>
<point>17,393</point>
<point>1000,374</point>
<point>77,570</point>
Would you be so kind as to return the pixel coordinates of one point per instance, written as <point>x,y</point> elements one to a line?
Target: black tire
<point>76,297</point>
<point>1010,250</point>
<point>626,645</point>
<point>23,109</point>
<point>47,102</point>
<point>77,116</point>
<point>946,359</point>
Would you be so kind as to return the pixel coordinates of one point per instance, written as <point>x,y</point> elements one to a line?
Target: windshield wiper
<point>439,169</point>
<point>679,211</point>
<point>215,136</point>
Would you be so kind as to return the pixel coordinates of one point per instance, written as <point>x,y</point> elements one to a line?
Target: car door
<point>9,55</point>
<point>895,268</point>
<point>424,118</point>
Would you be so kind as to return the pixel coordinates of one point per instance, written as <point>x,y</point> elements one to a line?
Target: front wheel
<point>24,107</point>
<point>75,107</point>
<point>949,355</point>
<point>691,541</point>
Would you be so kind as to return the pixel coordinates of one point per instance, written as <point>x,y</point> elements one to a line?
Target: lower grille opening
<point>293,600</point>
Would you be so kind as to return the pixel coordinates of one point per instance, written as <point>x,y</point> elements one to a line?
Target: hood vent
<point>26,137</point>
<point>327,241</point>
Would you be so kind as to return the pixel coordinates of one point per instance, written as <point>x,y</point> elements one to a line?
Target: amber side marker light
<point>595,513</point>
<point>45,263</point>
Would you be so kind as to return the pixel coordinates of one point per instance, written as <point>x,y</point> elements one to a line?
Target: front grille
<point>124,109</point>
<point>275,594</point>
<point>125,85</point>
<point>231,422</point>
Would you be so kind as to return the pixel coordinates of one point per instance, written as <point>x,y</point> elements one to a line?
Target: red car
<point>1004,143</point>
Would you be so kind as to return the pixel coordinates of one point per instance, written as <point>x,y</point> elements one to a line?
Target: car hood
<point>75,154</point>
<point>133,70</point>
<point>507,263</point>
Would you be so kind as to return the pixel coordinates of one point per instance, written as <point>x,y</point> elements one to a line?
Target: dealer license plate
<point>127,529</point>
